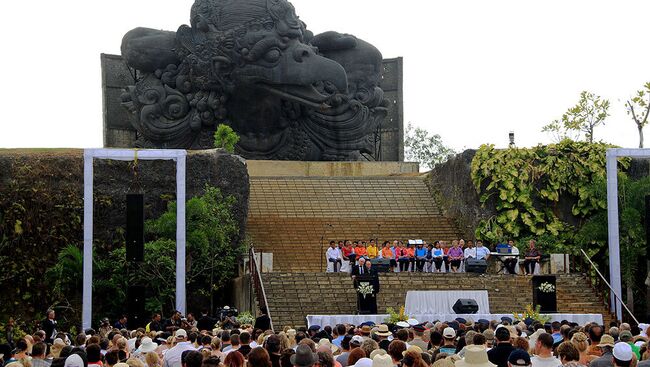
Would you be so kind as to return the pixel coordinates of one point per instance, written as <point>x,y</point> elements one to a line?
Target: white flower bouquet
<point>546,287</point>
<point>365,289</point>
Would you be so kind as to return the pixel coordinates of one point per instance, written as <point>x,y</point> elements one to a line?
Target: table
<point>333,320</point>
<point>442,302</point>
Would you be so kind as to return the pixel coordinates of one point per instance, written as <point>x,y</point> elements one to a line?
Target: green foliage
<point>245,318</point>
<point>66,275</point>
<point>210,255</point>
<point>527,185</point>
<point>421,146</point>
<point>394,316</point>
<point>639,109</point>
<point>225,138</point>
<point>590,111</point>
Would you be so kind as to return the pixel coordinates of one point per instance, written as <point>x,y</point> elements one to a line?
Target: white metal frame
<point>612,222</point>
<point>90,155</point>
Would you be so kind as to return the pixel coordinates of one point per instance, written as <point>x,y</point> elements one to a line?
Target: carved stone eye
<point>272,55</point>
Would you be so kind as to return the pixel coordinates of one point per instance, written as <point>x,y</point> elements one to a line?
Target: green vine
<point>527,185</point>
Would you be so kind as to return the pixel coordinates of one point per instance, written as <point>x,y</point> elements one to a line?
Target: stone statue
<point>253,65</point>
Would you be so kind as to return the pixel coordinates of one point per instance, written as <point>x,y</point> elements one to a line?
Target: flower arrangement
<point>365,289</point>
<point>546,287</point>
<point>395,317</point>
<point>531,315</point>
<point>245,318</point>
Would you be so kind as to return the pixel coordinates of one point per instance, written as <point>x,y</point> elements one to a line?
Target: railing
<point>258,285</point>
<point>585,265</point>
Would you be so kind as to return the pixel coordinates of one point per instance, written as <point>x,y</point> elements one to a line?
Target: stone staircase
<point>288,215</point>
<point>293,296</point>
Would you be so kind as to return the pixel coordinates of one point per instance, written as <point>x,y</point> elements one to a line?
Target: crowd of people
<point>428,257</point>
<point>455,343</point>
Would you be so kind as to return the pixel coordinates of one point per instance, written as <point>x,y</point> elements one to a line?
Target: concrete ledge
<point>260,168</point>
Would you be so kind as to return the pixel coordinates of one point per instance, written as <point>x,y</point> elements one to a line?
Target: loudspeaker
<point>465,305</point>
<point>134,227</point>
<point>135,310</point>
<point>475,266</point>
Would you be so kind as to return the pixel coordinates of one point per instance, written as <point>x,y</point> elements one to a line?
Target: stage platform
<point>333,320</point>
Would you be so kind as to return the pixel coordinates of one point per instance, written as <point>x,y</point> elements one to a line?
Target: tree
<point>639,108</point>
<point>424,147</point>
<point>590,111</point>
<point>225,138</point>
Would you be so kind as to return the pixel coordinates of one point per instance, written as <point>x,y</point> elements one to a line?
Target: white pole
<point>612,233</point>
<point>87,302</point>
<point>180,232</point>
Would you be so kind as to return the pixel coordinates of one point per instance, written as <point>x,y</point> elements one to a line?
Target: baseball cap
<point>449,333</point>
<point>625,336</point>
<point>357,339</point>
<point>180,333</point>
<point>519,357</point>
<point>622,351</point>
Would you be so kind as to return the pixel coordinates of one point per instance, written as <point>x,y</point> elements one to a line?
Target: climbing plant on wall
<point>529,187</point>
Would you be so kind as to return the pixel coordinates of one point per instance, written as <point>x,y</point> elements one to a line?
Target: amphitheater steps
<point>289,215</point>
<point>293,296</point>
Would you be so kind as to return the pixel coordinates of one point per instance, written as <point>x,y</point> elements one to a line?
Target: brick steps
<point>292,296</point>
<point>290,213</point>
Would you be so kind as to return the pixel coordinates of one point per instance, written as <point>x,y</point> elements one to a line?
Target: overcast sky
<point>473,70</point>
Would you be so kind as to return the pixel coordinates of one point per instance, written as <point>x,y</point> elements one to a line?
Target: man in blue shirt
<point>482,252</point>
<point>340,331</point>
<point>420,256</point>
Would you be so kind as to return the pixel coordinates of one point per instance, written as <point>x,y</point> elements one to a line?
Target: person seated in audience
<point>438,255</point>
<point>401,254</point>
<point>420,256</point>
<point>348,252</point>
<point>334,256</point>
<point>387,253</point>
<point>372,250</point>
<point>470,251</point>
<point>482,252</point>
<point>455,256</point>
<point>429,258</point>
<point>410,250</point>
<point>510,262</point>
<point>359,249</point>
<point>532,257</point>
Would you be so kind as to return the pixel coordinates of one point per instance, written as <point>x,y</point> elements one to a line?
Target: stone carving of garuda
<point>253,65</point>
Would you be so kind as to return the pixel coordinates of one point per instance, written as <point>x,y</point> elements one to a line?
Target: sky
<point>474,70</point>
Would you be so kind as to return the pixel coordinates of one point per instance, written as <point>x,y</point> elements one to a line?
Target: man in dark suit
<point>364,273</point>
<point>499,354</point>
<point>205,321</point>
<point>263,322</point>
<point>49,326</point>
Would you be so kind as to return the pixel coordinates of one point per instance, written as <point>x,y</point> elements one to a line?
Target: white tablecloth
<point>333,320</point>
<point>442,302</point>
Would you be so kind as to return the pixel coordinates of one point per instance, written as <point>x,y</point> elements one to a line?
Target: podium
<point>366,301</point>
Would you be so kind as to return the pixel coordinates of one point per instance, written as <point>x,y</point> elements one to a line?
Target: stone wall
<point>293,296</point>
<point>452,187</point>
<point>264,168</point>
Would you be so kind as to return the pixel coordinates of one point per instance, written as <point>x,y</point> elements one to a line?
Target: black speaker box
<point>134,227</point>
<point>475,266</point>
<point>135,302</point>
<point>465,305</point>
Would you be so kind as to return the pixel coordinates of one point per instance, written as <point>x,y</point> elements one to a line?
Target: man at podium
<point>366,283</point>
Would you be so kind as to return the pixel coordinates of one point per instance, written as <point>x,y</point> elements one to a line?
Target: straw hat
<point>382,330</point>
<point>475,356</point>
<point>147,345</point>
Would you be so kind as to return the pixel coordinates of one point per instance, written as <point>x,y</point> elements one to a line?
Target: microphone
<point>329,225</point>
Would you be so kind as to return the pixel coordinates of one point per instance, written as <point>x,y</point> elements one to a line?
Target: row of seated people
<point>423,257</point>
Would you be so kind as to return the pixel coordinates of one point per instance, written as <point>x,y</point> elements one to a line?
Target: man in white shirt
<point>470,251</point>
<point>334,256</point>
<point>544,356</point>
<point>172,357</point>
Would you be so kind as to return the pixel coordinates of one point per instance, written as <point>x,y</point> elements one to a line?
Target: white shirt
<point>470,252</point>
<point>482,252</point>
<point>537,361</point>
<point>334,253</point>
<point>173,356</point>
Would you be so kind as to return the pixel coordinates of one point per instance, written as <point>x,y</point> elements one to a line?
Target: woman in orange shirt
<point>387,253</point>
<point>360,250</point>
<point>410,250</point>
